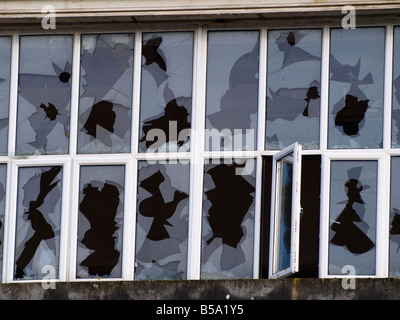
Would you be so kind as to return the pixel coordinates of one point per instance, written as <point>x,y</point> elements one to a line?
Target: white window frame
<point>295,150</point>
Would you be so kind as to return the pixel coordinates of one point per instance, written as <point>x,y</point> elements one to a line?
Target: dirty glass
<point>394,219</point>
<point>352,216</point>
<point>356,67</point>
<point>232,90</point>
<point>44,94</point>
<point>228,219</point>
<point>105,102</point>
<point>284,214</point>
<point>162,221</point>
<point>293,88</point>
<point>100,221</point>
<point>3,180</point>
<point>166,92</point>
<point>38,222</point>
<point>396,90</point>
<point>5,65</point>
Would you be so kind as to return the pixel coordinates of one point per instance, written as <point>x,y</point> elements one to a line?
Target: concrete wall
<point>283,289</point>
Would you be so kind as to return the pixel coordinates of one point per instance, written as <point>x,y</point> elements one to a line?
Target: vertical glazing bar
<point>13,95</point>
<point>388,85</point>
<point>262,77</point>
<point>324,89</point>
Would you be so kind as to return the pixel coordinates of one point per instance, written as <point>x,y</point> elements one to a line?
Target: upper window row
<point>293,91</point>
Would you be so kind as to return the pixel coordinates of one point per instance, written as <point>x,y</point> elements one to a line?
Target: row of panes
<point>293,91</point>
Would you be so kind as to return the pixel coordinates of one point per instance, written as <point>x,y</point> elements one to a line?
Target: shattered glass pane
<point>232,90</point>
<point>5,65</point>
<point>39,205</point>
<point>101,210</point>
<point>44,94</point>
<point>105,103</point>
<point>394,219</point>
<point>356,88</point>
<point>228,219</point>
<point>3,180</point>
<point>396,90</point>
<point>166,92</point>
<point>352,216</point>
<point>293,88</point>
<point>162,221</point>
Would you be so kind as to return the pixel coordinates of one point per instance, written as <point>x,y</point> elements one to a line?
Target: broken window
<point>394,219</point>
<point>44,94</point>
<point>100,221</point>
<point>105,93</point>
<point>38,221</point>
<point>228,219</point>
<point>356,88</point>
<point>396,90</point>
<point>285,212</point>
<point>293,88</point>
<point>162,221</point>
<point>352,216</point>
<point>166,92</point>
<point>232,90</point>
<point>5,66</point>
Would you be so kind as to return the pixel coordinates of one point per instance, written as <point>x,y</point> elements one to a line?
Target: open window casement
<point>285,212</point>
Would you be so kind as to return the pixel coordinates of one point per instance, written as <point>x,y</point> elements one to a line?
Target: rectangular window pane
<point>166,91</point>
<point>44,94</point>
<point>39,205</point>
<point>232,90</point>
<point>352,216</point>
<point>100,221</point>
<point>356,88</point>
<point>162,221</point>
<point>3,181</point>
<point>293,88</point>
<point>105,102</point>
<point>5,73</point>
<point>228,219</point>
<point>396,90</point>
<point>394,219</point>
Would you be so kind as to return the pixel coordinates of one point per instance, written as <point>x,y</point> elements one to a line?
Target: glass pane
<point>396,90</point>
<point>3,181</point>
<point>232,90</point>
<point>38,222</point>
<point>356,88</point>
<point>44,94</point>
<point>162,221</point>
<point>5,65</point>
<point>394,219</point>
<point>105,93</point>
<point>293,88</point>
<point>352,216</point>
<point>284,214</point>
<point>228,219</point>
<point>101,210</point>
<point>166,91</point>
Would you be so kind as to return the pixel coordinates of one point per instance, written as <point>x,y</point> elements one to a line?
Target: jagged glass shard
<point>293,88</point>
<point>3,181</point>
<point>100,221</point>
<point>37,243</point>
<point>232,90</point>
<point>105,103</point>
<point>356,88</point>
<point>228,219</point>
<point>396,90</point>
<point>44,95</point>
<point>162,221</point>
<point>352,216</point>
<point>394,219</point>
<point>166,92</point>
<point>5,73</point>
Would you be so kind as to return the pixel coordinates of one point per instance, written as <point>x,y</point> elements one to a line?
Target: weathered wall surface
<point>284,289</point>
